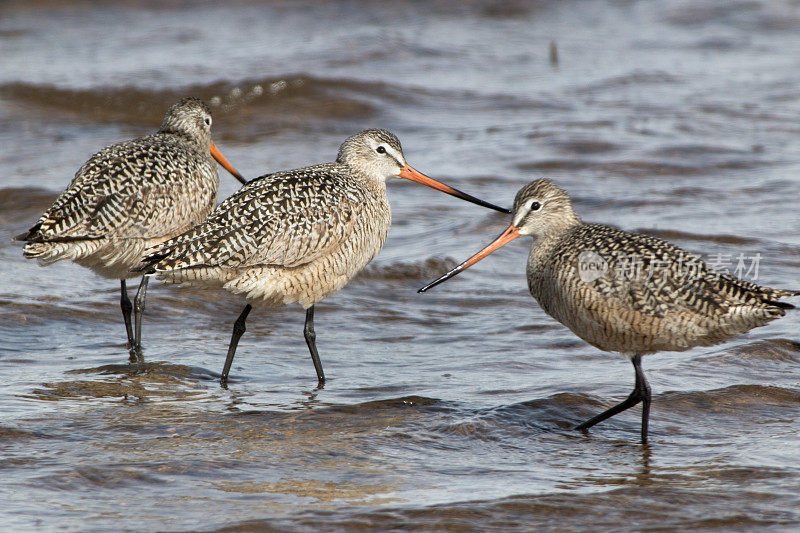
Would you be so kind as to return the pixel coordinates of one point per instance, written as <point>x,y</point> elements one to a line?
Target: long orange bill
<point>216,154</point>
<point>511,233</point>
<point>411,174</point>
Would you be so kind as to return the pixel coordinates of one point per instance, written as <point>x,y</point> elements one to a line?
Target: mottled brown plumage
<point>627,292</point>
<point>130,196</point>
<point>288,237</point>
<point>296,236</point>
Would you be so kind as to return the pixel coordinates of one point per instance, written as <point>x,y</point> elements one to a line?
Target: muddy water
<point>444,411</point>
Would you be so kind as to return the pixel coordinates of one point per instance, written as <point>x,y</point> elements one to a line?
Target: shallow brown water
<point>444,411</point>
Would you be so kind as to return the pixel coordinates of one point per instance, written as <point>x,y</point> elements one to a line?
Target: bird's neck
<point>202,143</point>
<point>548,238</point>
<point>373,183</point>
<point>556,225</point>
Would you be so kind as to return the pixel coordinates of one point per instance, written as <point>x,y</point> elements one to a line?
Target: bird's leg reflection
<point>311,399</point>
<point>643,477</point>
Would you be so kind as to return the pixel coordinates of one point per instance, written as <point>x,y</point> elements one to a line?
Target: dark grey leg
<point>641,393</point>
<point>311,340</point>
<point>238,330</point>
<point>138,309</point>
<point>127,307</point>
<point>641,384</point>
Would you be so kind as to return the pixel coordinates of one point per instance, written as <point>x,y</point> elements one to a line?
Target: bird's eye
<point>208,121</point>
<point>535,206</point>
<point>380,150</point>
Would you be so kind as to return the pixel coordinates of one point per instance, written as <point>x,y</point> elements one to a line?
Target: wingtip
<point>29,235</point>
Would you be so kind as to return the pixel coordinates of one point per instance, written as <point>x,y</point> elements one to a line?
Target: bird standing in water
<point>296,236</point>
<point>130,196</point>
<point>625,292</point>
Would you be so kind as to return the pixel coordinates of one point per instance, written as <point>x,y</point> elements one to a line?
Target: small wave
<point>85,477</point>
<point>753,114</point>
<point>585,146</point>
<point>721,44</point>
<point>14,33</point>
<point>419,270</point>
<point>510,9</point>
<point>343,420</point>
<point>730,399</point>
<point>770,350</point>
<point>544,415</point>
<point>248,109</point>
<point>691,14</point>
<point>390,404</point>
<point>636,168</point>
<point>264,104</point>
<point>374,407</point>
<point>11,433</point>
<point>696,150</point>
<point>754,17</point>
<point>18,205</point>
<point>674,235</point>
<point>87,389</point>
<point>637,77</point>
<point>128,382</point>
<point>46,309</point>
<point>153,371</point>
<point>676,507</point>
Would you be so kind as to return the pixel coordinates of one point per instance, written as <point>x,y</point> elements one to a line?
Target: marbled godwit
<point>581,275</point>
<point>130,196</point>
<point>296,236</point>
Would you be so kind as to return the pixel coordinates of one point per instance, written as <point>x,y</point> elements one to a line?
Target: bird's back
<point>126,197</point>
<point>634,293</point>
<point>294,236</point>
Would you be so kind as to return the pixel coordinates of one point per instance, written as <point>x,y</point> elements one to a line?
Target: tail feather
<point>34,235</point>
<point>48,252</point>
<point>783,293</point>
<point>28,235</point>
<point>771,296</point>
<point>55,240</point>
<point>781,305</point>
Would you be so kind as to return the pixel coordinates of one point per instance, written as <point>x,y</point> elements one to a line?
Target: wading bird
<point>672,302</point>
<point>296,236</point>
<point>130,196</point>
